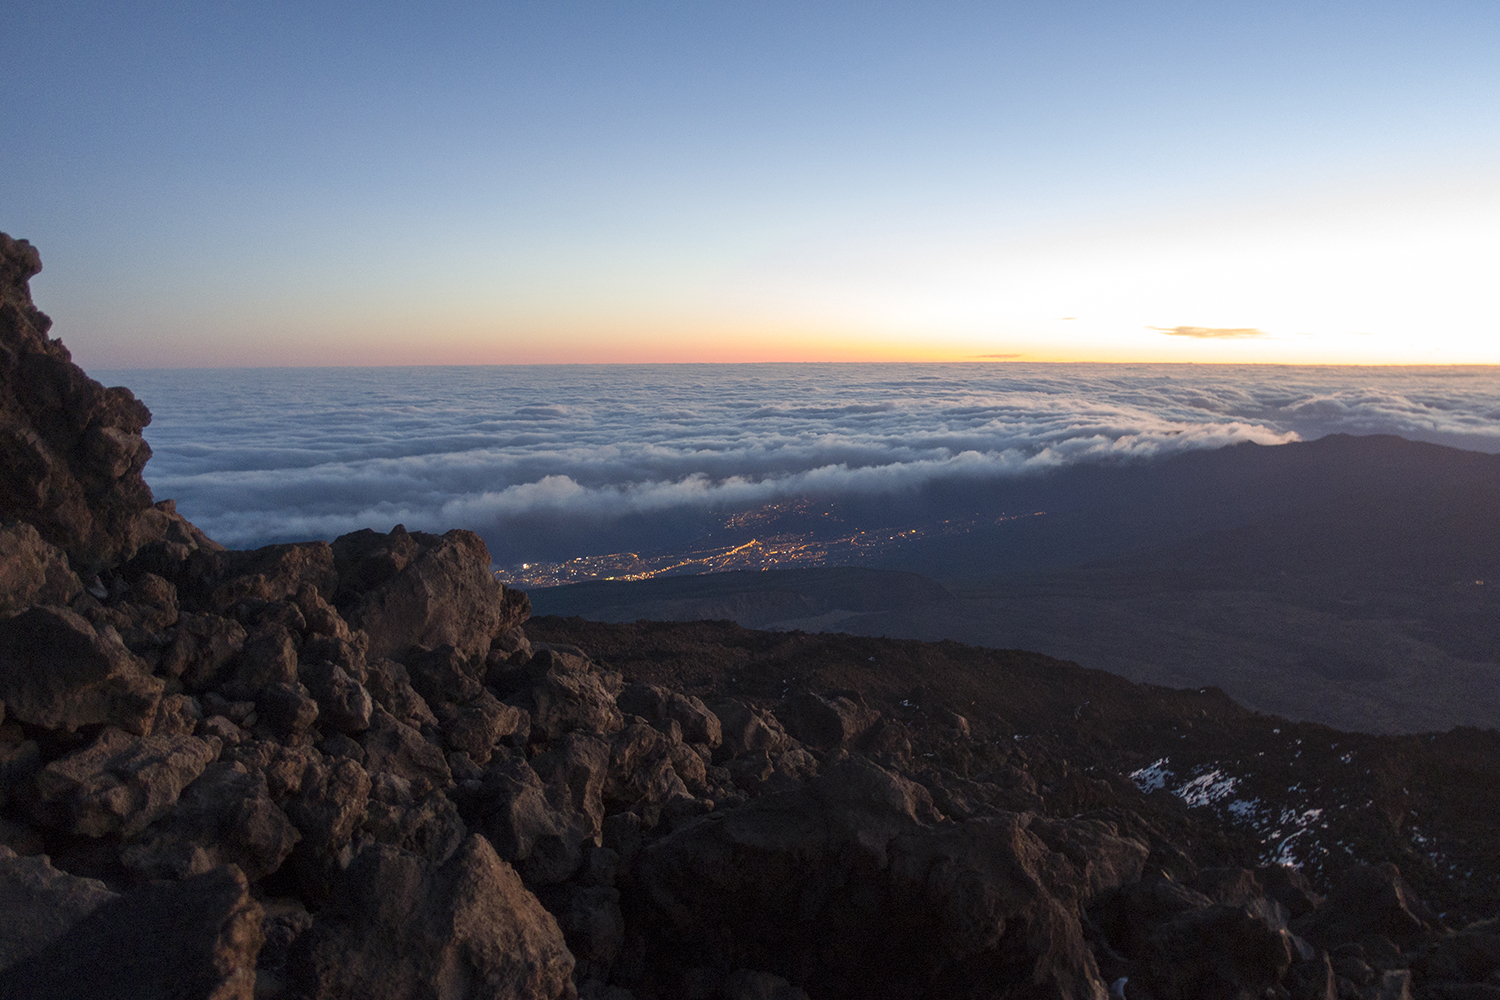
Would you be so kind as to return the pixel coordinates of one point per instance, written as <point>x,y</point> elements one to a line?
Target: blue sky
<point>220,184</point>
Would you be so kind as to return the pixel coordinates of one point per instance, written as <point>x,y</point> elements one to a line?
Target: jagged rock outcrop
<point>327,770</point>
<point>120,784</point>
<point>72,450</point>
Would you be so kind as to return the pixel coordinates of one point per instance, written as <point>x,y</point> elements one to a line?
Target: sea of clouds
<point>550,462</point>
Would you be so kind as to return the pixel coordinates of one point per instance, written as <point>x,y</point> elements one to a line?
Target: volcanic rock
<point>225,817</point>
<point>165,941</point>
<point>202,647</point>
<point>848,877</point>
<point>32,570</point>
<point>273,573</point>
<point>122,783</point>
<point>71,449</point>
<point>565,693</point>
<point>343,702</point>
<point>395,748</point>
<point>38,904</point>
<point>1370,900</point>
<point>57,671</point>
<point>745,729</point>
<point>825,722</point>
<point>406,589</point>
<point>398,927</point>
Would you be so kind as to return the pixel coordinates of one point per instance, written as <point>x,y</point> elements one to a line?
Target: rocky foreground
<point>356,770</point>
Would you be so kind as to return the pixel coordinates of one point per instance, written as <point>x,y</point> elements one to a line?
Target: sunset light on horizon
<point>651,183</point>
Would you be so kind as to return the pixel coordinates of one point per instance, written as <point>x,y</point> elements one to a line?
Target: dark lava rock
<point>1370,900</point>
<point>32,570</point>
<point>71,449</point>
<point>38,904</point>
<point>407,589</point>
<point>57,671</point>
<point>120,784</point>
<point>165,941</point>
<point>398,928</point>
<point>848,880</point>
<point>225,817</point>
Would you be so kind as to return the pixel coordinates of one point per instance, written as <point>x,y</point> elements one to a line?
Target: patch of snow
<point>1207,788</point>
<point>1152,777</point>
<point>1244,810</point>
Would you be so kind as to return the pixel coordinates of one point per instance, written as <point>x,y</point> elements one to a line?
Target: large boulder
<point>56,671</point>
<point>825,722</point>
<point>164,941</point>
<point>541,815</point>
<point>203,647</point>
<point>32,570</point>
<point>327,810</point>
<point>746,729</point>
<point>1369,899</point>
<point>564,694</point>
<point>399,928</point>
<point>662,707</point>
<point>847,883</point>
<point>71,449</point>
<point>407,589</point>
<point>121,783</point>
<point>274,573</point>
<point>224,817</point>
<point>1224,950</point>
<point>38,904</point>
<point>395,748</point>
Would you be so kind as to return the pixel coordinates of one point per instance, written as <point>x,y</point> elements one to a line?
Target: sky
<point>224,184</point>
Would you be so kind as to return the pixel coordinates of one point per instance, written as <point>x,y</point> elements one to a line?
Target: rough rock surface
<point>121,784</point>
<point>407,589</point>
<point>32,570</point>
<point>346,769</point>
<point>71,449</point>
<point>399,928</point>
<point>194,938</point>
<point>58,671</point>
<point>38,904</point>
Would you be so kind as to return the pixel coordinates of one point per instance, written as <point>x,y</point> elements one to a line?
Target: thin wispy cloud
<point>1210,332</point>
<point>538,459</point>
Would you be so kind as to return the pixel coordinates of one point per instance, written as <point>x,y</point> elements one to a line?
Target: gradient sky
<point>217,183</point>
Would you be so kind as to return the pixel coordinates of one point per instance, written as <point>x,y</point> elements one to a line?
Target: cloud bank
<point>555,461</point>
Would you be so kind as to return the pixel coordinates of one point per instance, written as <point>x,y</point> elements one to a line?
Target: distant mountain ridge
<point>1350,580</point>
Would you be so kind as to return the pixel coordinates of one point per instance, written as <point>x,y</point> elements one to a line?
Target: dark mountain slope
<point>1425,802</point>
<point>753,599</point>
<point>1364,488</point>
<point>1360,586</point>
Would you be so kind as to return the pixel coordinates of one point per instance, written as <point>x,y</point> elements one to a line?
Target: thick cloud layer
<point>556,461</point>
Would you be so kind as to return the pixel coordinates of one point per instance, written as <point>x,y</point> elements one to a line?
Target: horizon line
<point>972,360</point>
